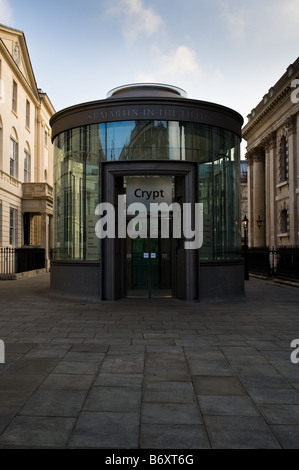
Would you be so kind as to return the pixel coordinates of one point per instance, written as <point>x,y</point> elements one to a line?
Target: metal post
<point>245,225</point>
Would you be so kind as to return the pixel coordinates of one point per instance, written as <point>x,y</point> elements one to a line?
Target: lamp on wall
<point>259,222</point>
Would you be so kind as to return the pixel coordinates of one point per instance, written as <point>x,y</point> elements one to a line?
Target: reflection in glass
<point>79,152</point>
<point>76,170</point>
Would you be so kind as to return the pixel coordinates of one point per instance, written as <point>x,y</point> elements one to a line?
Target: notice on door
<point>149,189</point>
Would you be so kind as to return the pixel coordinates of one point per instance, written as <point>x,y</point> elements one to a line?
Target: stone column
<point>259,238</point>
<point>270,190</point>
<point>45,237</point>
<point>249,158</point>
<point>291,126</point>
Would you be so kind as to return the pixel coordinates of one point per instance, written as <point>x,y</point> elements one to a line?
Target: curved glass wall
<point>79,153</point>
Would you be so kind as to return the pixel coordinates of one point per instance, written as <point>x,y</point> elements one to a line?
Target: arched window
<point>284,160</point>
<point>14,154</point>
<point>284,221</point>
<point>27,164</point>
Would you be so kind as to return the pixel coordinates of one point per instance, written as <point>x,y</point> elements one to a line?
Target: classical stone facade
<point>273,164</point>
<point>26,157</point>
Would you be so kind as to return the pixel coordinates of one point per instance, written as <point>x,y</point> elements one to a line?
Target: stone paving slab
<point>148,374</point>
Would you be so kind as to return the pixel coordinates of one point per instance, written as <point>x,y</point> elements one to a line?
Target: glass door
<point>162,269</point>
<point>137,267</point>
<point>149,266</point>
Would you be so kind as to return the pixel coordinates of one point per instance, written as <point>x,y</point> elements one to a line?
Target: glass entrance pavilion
<point>146,143</point>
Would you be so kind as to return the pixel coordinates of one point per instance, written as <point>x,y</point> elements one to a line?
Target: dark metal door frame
<point>113,268</point>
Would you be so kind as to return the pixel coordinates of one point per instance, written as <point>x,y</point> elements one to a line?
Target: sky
<point>229,52</point>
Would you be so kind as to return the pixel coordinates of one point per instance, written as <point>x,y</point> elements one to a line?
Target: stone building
<point>26,157</point>
<point>273,164</point>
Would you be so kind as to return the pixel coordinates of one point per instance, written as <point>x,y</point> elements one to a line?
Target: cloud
<point>5,12</point>
<point>288,12</point>
<point>138,20</point>
<point>290,8</point>
<point>234,19</point>
<point>182,61</point>
<point>261,21</point>
<point>180,65</point>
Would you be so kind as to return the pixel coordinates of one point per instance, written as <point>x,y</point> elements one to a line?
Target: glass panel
<point>136,140</point>
<point>78,154</point>
<point>161,262</point>
<point>77,177</point>
<point>206,198</point>
<point>92,190</point>
<point>138,266</point>
<point>226,198</point>
<point>119,136</point>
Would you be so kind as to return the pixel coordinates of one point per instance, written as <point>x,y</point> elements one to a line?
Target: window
<point>284,228</point>
<point>13,158</point>
<point>46,138</point>
<point>69,141</point>
<point>243,172</point>
<point>13,232</point>
<point>27,114</point>
<point>27,162</point>
<point>284,159</point>
<point>14,96</point>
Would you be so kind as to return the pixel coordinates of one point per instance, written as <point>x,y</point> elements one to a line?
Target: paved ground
<point>139,374</point>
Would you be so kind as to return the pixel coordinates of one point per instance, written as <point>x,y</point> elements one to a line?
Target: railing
<point>7,260</point>
<point>19,260</point>
<point>282,263</point>
<point>288,263</point>
<point>258,260</point>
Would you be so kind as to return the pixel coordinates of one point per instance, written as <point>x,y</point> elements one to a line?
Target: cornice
<point>277,95</point>
<point>17,72</point>
<point>45,100</point>
<point>264,114</point>
<point>19,36</point>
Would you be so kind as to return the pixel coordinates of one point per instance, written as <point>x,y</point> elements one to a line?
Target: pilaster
<point>249,157</point>
<point>259,233</point>
<point>270,177</point>
<point>291,131</point>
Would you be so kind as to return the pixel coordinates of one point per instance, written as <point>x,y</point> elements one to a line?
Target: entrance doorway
<point>150,264</point>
